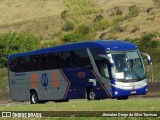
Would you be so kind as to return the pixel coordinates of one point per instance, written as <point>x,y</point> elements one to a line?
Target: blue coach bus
<point>93,70</point>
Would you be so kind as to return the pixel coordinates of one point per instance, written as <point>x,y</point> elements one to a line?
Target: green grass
<point>84,105</point>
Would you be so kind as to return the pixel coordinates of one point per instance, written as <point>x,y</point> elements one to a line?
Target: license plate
<point>133,92</point>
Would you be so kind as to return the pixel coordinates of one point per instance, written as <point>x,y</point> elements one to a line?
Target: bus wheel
<point>34,98</point>
<point>91,94</point>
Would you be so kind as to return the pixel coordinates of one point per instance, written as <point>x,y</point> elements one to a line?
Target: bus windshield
<point>128,65</point>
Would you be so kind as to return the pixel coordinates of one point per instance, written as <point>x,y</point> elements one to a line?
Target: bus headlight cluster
<point>116,93</point>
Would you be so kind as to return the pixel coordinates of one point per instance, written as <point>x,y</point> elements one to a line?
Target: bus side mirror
<point>148,57</point>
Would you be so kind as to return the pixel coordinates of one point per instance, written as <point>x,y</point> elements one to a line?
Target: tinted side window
<point>63,59</point>
<point>27,64</point>
<point>74,58</point>
<point>82,58</point>
<point>12,64</point>
<point>68,59</point>
<point>52,61</point>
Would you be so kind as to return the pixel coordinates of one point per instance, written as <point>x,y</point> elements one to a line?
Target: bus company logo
<point>44,80</point>
<point>81,74</point>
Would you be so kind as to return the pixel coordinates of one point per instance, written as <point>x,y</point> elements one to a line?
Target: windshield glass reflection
<point>128,65</point>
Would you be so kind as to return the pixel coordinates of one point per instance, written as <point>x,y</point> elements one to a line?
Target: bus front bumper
<point>120,89</point>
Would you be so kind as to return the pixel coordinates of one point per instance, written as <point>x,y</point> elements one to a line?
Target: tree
<point>11,43</point>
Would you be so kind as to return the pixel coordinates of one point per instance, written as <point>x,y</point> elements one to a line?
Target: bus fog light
<point>146,89</point>
<point>116,93</point>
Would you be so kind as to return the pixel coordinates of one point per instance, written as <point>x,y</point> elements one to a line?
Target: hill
<point>42,18</point>
<point>145,22</point>
<point>38,17</point>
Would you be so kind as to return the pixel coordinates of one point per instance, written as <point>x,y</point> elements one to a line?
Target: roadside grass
<point>84,105</point>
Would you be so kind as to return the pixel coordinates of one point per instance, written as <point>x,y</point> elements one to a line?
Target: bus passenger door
<point>102,71</point>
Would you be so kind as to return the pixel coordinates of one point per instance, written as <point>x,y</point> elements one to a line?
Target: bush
<point>116,11</point>
<point>102,24</point>
<point>69,26</point>
<point>150,45</point>
<point>118,28</point>
<point>73,37</point>
<point>11,43</point>
<point>98,18</point>
<point>133,11</point>
<point>64,14</point>
<point>83,29</point>
<point>119,12</point>
<point>3,79</point>
<point>115,20</point>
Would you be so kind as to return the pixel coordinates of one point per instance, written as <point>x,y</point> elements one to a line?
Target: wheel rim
<point>34,98</point>
<point>92,95</point>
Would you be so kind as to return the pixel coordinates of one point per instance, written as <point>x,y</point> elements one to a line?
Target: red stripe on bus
<point>101,84</point>
<point>67,81</point>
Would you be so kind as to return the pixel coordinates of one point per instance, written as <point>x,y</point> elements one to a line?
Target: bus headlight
<point>116,93</point>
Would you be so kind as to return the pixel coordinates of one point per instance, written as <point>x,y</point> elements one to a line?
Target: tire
<point>122,98</point>
<point>91,94</point>
<point>34,98</point>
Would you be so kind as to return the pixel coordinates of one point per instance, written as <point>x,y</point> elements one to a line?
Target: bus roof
<point>113,45</point>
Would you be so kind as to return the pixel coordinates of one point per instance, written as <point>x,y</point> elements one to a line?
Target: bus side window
<point>14,65</point>
<point>11,65</point>
<point>52,61</point>
<point>30,63</point>
<point>43,61</point>
<point>22,69</point>
<point>70,60</point>
<point>18,64</point>
<point>82,58</point>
